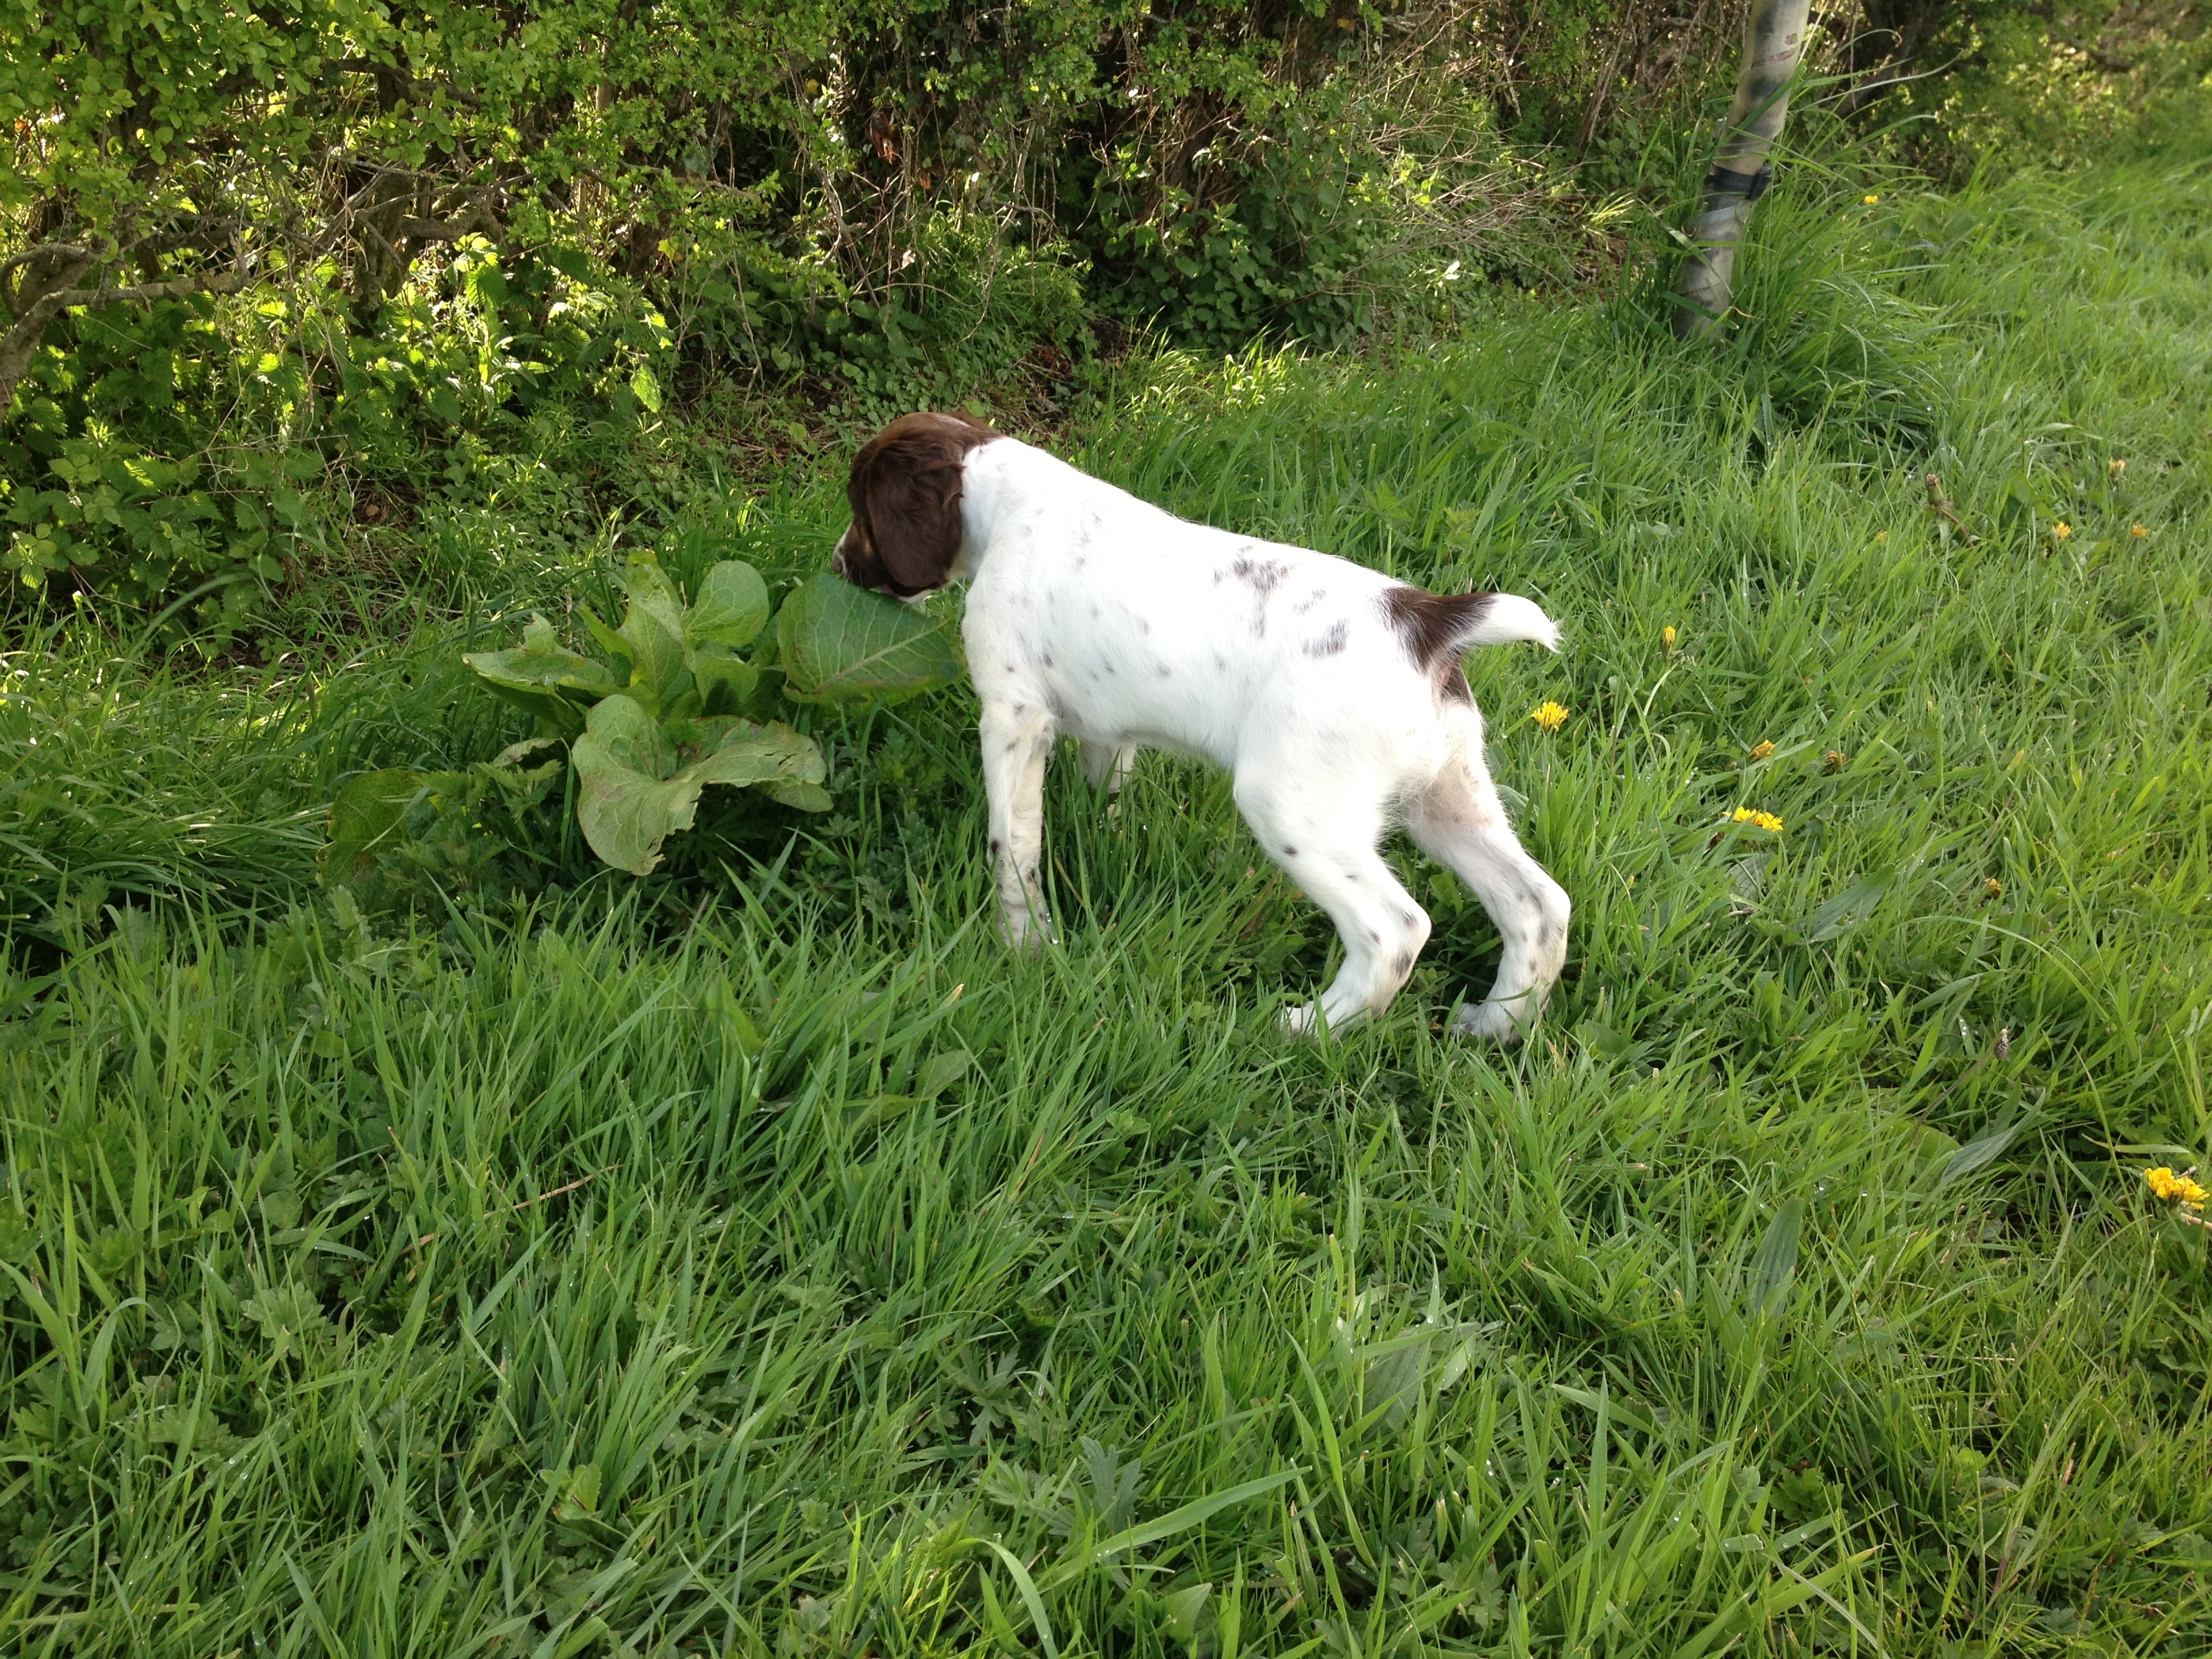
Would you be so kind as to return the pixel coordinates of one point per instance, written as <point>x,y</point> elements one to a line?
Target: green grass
<point>757,1259</point>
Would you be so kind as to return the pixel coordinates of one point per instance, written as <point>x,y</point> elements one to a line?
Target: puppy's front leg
<point>1016,742</point>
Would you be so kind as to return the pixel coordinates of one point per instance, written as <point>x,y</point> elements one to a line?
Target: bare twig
<point>527,1203</point>
<point>558,1192</point>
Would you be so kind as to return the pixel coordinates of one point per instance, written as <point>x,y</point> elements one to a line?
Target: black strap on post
<point>1726,181</point>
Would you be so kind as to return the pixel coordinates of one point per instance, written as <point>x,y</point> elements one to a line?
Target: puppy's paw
<point>1303,1020</point>
<point>1493,1022</point>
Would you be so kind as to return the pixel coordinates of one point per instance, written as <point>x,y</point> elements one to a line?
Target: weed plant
<point>756,1259</point>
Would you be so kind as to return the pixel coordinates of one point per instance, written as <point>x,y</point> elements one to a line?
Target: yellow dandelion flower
<point>1766,821</point>
<point>1667,636</point>
<point>2116,466</point>
<point>2061,530</point>
<point>1992,889</point>
<point>1761,750</point>
<point>1548,714</point>
<point>1835,760</point>
<point>2137,531</point>
<point>1869,201</point>
<point>1881,537</point>
<point>2171,1188</point>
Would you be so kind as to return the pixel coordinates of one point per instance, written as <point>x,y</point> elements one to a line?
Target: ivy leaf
<point>842,644</point>
<point>641,781</point>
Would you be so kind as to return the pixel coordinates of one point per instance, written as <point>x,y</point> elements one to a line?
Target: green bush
<point>166,462</point>
<point>257,266</point>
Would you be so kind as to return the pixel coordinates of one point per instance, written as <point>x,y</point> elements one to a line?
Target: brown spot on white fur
<point>1328,644</point>
<point>1431,625</point>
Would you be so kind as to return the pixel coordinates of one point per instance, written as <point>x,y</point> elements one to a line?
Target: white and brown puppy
<point>1332,694</point>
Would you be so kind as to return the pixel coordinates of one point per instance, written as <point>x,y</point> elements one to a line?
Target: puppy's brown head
<point>905,491</point>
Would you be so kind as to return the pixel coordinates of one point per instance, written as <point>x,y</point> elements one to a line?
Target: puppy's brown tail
<point>1437,627</point>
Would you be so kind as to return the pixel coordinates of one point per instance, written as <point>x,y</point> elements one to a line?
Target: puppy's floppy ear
<point>905,491</point>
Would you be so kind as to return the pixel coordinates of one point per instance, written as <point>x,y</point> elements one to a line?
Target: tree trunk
<point>1773,41</point>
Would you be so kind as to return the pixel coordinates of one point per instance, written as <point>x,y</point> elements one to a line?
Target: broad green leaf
<point>696,740</point>
<point>626,814</point>
<point>649,585</point>
<point>367,812</point>
<point>515,753</point>
<point>1776,1265</point>
<point>1975,1154</point>
<point>841,644</point>
<point>805,797</point>
<point>735,678</point>
<point>609,640</point>
<point>543,677</point>
<point>653,630</point>
<point>760,754</point>
<point>640,782</point>
<point>620,729</point>
<point>940,1072</point>
<point>582,1494</point>
<point>1922,1143</point>
<point>731,607</point>
<point>1846,911</point>
<point>1182,1609</point>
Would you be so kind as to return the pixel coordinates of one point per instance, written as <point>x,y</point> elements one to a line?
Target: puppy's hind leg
<point>1326,843</point>
<point>1461,823</point>
<point>1108,766</point>
<point>1016,743</point>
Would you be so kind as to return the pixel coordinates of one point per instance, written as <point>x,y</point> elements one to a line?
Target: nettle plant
<point>674,701</point>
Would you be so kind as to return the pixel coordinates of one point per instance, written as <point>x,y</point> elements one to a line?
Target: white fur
<point>1095,615</point>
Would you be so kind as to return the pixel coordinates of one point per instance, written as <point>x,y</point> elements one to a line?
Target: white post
<point>1773,41</point>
